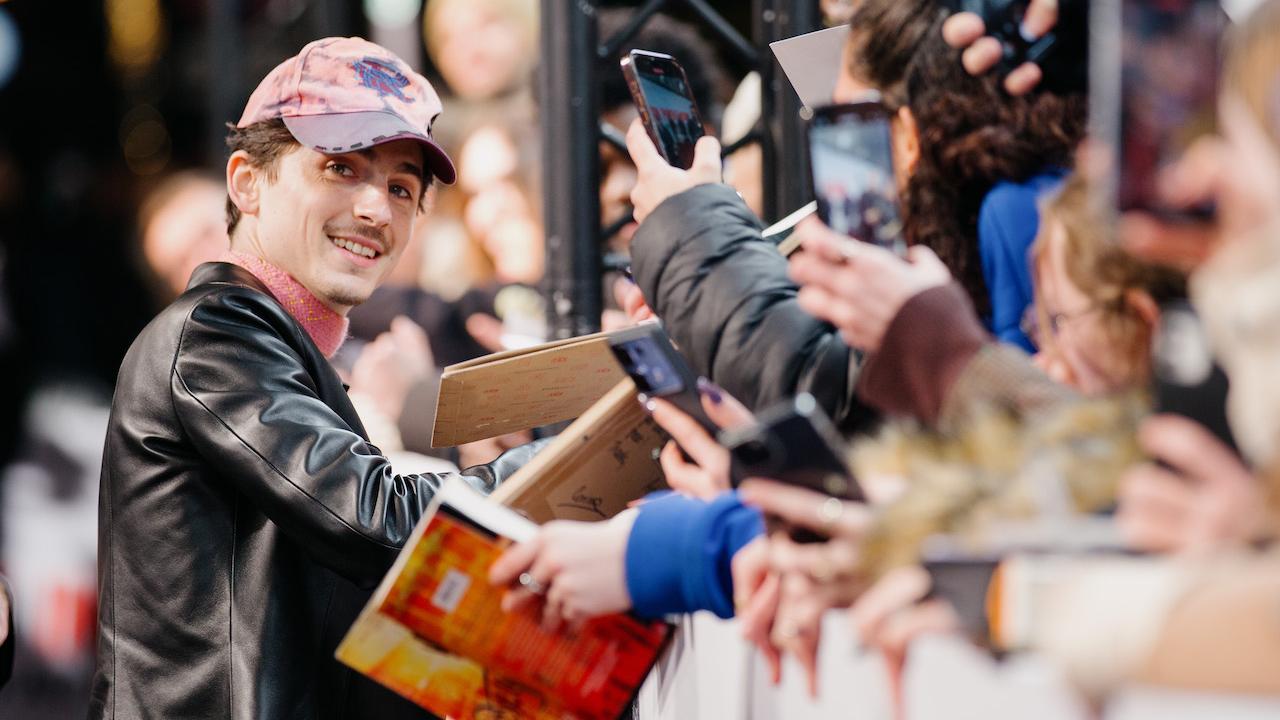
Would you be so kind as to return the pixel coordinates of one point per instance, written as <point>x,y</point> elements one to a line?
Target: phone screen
<point>672,114</point>
<point>851,156</point>
<point>1170,62</point>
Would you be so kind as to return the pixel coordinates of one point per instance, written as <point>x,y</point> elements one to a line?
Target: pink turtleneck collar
<point>327,328</point>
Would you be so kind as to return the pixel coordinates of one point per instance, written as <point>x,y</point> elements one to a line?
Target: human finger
<point>707,165</point>
<point>516,559</point>
<point>722,408</point>
<point>1040,18</point>
<point>898,589</point>
<point>642,150</point>
<point>1023,79</point>
<point>806,508</point>
<point>902,628</point>
<point>695,440</point>
<point>962,29</point>
<point>683,476</point>
<point>1182,247</point>
<point>1187,446</point>
<point>981,56</point>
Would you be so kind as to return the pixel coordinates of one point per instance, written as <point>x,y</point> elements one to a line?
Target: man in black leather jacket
<point>244,516</point>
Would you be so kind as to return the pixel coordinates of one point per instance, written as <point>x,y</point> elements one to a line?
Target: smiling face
<point>336,223</point>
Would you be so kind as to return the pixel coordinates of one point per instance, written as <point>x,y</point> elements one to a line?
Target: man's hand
<point>1203,499</point>
<point>391,365</point>
<point>656,180</point>
<point>580,566</point>
<point>856,286</point>
<point>981,51</point>
<point>706,474</point>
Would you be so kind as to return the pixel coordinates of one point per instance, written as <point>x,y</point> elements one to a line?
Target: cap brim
<point>345,132</point>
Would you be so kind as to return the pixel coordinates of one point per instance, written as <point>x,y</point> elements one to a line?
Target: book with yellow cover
<point>435,632</point>
<point>521,389</point>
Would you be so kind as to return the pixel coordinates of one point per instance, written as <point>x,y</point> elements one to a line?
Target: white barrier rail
<point>711,673</point>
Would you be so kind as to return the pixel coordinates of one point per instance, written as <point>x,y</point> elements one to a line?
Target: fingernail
<point>626,273</point>
<point>647,403</point>
<point>711,391</point>
<point>1026,33</point>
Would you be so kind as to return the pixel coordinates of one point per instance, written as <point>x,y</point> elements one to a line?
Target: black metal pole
<point>226,54</point>
<point>571,167</point>
<point>786,166</point>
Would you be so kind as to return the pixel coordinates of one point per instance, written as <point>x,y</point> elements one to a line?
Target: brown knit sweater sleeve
<point>927,345</point>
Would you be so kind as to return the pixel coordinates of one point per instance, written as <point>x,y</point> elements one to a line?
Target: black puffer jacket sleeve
<point>251,408</point>
<point>724,296</point>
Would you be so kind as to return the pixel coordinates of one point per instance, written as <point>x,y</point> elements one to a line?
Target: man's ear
<point>906,143</point>
<point>243,179</point>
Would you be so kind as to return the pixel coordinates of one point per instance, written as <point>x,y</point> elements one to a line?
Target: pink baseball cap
<point>344,94</point>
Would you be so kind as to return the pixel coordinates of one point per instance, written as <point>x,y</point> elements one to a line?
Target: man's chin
<point>344,298</point>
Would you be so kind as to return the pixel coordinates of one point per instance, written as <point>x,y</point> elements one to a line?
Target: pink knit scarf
<point>327,328</point>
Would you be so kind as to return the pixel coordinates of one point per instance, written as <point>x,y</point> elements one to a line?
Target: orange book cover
<point>435,632</point>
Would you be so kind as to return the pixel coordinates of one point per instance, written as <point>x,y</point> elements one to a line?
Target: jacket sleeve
<point>724,296</point>
<point>680,553</point>
<point>936,364</point>
<point>252,411</point>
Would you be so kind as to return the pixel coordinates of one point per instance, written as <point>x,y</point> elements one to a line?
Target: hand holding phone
<point>660,90</point>
<point>796,443</point>
<point>853,178</point>
<point>647,356</point>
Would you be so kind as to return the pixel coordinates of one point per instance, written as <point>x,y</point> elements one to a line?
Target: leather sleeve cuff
<point>927,345</point>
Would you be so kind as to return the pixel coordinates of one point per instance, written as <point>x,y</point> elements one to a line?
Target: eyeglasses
<point>1030,324</point>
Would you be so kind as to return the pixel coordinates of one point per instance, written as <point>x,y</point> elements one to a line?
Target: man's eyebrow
<point>405,167</point>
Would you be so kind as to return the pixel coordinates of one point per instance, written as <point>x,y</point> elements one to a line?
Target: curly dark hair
<point>972,134</point>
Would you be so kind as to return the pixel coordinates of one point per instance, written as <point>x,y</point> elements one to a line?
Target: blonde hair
<point>1103,272</point>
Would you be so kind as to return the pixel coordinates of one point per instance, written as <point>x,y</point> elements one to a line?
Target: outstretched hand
<point>857,286</point>
<point>706,473</point>
<point>656,180</point>
<point>577,570</point>
<point>967,31</point>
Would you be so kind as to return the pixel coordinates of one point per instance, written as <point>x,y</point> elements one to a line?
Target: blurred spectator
<point>1096,307</point>
<point>707,84</point>
<point>181,224</point>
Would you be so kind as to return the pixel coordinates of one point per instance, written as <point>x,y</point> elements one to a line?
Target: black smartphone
<point>1060,52</point>
<point>965,583</point>
<point>852,180</point>
<point>794,442</point>
<point>661,93</point>
<point>659,370</point>
<point>1186,379</point>
<point>1154,91</point>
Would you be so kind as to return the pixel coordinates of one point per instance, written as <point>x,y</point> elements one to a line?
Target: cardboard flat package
<point>521,389</point>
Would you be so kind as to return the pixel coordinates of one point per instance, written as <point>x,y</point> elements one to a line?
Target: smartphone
<point>1187,381</point>
<point>796,443</point>
<point>659,370</point>
<point>852,180</point>
<point>1058,52</point>
<point>661,93</point>
<point>1154,90</point>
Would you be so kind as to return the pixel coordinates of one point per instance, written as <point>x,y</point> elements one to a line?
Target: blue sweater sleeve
<point>679,553</point>
<point>1007,225</point>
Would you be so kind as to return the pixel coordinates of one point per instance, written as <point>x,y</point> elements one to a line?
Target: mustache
<point>362,231</point>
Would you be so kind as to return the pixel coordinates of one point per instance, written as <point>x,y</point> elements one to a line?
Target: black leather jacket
<point>244,519</point>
